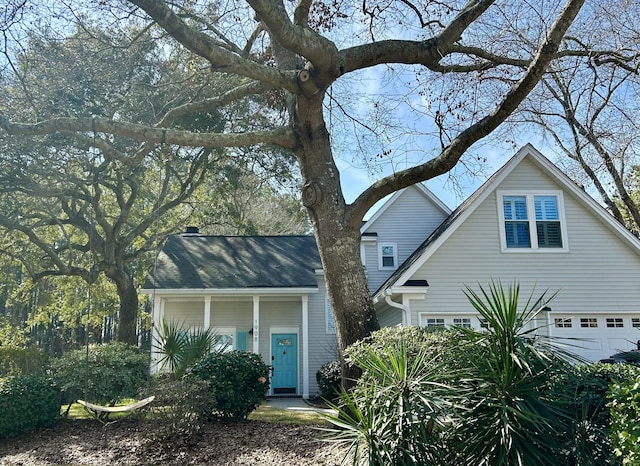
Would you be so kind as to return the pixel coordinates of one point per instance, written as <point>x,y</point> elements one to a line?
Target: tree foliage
<point>292,74</point>
<point>93,204</point>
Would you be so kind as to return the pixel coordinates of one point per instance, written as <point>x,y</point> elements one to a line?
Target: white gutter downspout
<point>402,307</point>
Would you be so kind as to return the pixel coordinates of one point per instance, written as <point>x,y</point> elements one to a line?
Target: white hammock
<point>102,412</point>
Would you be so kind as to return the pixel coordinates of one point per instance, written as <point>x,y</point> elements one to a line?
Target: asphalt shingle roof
<point>223,262</point>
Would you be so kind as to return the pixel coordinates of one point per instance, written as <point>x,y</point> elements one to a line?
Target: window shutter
<point>241,341</point>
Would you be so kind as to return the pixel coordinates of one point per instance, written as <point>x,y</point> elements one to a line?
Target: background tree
<point>284,62</point>
<point>93,204</point>
<point>250,201</point>
<point>588,108</point>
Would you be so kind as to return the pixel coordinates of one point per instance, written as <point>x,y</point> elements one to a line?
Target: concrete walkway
<point>295,404</point>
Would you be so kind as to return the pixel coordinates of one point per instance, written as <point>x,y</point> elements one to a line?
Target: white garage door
<point>593,337</point>
<point>596,336</point>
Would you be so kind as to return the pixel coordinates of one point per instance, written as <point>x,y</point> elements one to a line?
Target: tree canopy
<point>293,75</point>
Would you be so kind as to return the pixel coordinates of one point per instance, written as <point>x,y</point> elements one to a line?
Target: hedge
<point>27,403</point>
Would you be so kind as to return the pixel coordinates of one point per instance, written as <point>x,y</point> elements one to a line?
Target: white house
<point>528,223</point>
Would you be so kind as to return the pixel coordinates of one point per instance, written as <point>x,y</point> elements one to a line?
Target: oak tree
<point>293,66</point>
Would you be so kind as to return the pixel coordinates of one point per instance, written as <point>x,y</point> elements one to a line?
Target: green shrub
<point>27,403</point>
<point>239,382</point>
<point>583,390</point>
<point>436,344</point>
<point>179,412</point>
<point>21,361</point>
<point>459,396</point>
<point>112,372</point>
<point>329,378</point>
<point>625,428</point>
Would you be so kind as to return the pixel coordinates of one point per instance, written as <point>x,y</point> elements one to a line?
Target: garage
<point>595,336</point>
<point>592,336</point>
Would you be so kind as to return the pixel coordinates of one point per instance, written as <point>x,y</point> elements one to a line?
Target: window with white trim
<point>589,322</point>
<point>434,322</point>
<point>635,322</point>
<point>224,339</point>
<point>532,221</point>
<point>427,319</point>
<point>562,322</point>
<point>615,322</point>
<point>388,256</point>
<point>484,323</point>
<point>464,322</point>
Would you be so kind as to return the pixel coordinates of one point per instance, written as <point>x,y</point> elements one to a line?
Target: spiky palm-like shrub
<point>392,415</point>
<point>512,415</point>
<point>461,396</point>
<point>179,348</point>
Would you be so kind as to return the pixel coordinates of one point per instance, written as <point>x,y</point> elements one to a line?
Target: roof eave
<point>229,291</point>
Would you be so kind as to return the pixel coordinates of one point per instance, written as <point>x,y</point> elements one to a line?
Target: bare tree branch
<point>451,154</point>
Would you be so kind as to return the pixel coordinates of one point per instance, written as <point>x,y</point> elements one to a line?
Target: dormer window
<point>532,221</point>
<point>388,256</point>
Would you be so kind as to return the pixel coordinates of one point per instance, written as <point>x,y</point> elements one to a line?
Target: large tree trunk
<point>337,234</point>
<point>127,323</point>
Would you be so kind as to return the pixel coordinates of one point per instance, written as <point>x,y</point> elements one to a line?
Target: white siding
<point>187,314</point>
<point>599,273</point>
<point>407,222</point>
<point>389,316</point>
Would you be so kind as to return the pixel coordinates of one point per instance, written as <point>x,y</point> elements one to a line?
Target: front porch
<point>272,323</point>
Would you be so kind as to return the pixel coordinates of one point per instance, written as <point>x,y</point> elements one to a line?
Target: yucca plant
<point>391,416</point>
<point>179,348</point>
<point>512,417</point>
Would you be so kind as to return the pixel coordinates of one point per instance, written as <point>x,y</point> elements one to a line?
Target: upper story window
<point>532,221</point>
<point>388,256</point>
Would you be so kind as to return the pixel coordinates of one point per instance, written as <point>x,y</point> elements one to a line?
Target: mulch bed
<point>83,442</point>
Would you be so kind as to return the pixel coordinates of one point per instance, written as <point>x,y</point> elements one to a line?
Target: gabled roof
<point>405,272</point>
<point>421,188</point>
<point>235,262</point>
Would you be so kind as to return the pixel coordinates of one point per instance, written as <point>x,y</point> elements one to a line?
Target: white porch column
<point>256,324</point>
<point>305,346</point>
<point>207,312</point>
<point>158,316</point>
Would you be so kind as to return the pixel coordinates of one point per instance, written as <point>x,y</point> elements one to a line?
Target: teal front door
<point>284,359</point>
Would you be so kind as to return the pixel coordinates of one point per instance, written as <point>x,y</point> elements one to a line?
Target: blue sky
<point>384,121</point>
<point>355,180</point>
